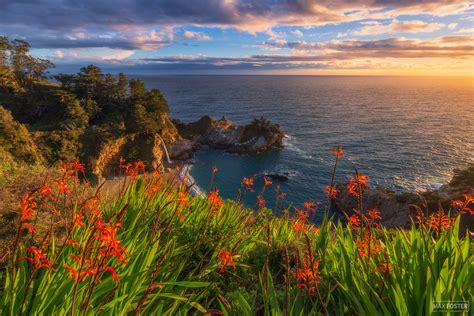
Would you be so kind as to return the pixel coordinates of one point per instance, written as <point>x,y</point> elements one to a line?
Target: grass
<point>156,250</point>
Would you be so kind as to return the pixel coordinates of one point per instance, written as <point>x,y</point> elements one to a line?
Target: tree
<point>121,88</point>
<point>137,89</point>
<point>89,81</point>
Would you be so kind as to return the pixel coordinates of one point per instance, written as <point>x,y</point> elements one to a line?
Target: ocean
<point>405,133</point>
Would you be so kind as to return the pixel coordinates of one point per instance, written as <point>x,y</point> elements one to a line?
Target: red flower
<point>214,169</point>
<point>369,246</point>
<point>267,181</point>
<point>27,205</point>
<point>180,216</point>
<point>385,267</point>
<point>37,256</point>
<point>63,186</point>
<point>309,206</point>
<point>214,200</point>
<point>248,182</point>
<point>463,206</point>
<point>307,276</point>
<point>225,260</point>
<point>72,272</point>
<point>182,200</point>
<point>354,220</point>
<point>339,152</point>
<point>78,220</point>
<point>31,229</point>
<point>438,221</point>
<point>72,242</point>
<point>46,192</point>
<point>331,192</point>
<point>357,181</point>
<point>260,202</point>
<point>113,272</point>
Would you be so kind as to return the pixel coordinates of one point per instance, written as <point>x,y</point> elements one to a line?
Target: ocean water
<point>405,133</point>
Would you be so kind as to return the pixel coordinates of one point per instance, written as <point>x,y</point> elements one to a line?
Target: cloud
<point>196,36</point>
<point>466,30</point>
<point>297,33</point>
<point>125,24</point>
<point>452,26</point>
<point>309,54</point>
<point>443,47</point>
<point>58,54</point>
<point>395,26</point>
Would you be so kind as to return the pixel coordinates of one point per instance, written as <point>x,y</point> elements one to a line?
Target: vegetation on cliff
<point>76,117</point>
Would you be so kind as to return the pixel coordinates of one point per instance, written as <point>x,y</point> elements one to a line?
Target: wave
<point>185,176</point>
<point>289,143</point>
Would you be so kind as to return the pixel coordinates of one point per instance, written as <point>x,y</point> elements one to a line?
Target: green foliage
<point>89,102</point>
<point>173,265</point>
<point>16,140</point>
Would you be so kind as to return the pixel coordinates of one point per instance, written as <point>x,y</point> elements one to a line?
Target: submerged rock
<point>258,136</point>
<point>278,177</point>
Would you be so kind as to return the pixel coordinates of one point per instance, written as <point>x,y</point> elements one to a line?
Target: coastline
<point>185,176</point>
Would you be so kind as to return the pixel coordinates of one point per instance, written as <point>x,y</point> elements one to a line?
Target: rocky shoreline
<point>398,209</point>
<point>256,137</point>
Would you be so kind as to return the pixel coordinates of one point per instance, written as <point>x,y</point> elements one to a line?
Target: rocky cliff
<point>258,136</point>
<point>398,209</point>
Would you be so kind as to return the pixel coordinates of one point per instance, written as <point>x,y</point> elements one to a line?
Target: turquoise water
<point>404,133</point>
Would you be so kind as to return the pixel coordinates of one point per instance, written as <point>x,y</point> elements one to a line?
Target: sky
<point>296,37</point>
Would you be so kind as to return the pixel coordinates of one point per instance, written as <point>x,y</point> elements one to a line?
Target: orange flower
<point>214,200</point>
<point>31,229</point>
<point>373,215</point>
<point>369,246</point>
<point>331,192</point>
<point>37,256</point>
<point>214,169</point>
<point>248,182</point>
<point>180,216</point>
<point>267,181</point>
<point>72,242</point>
<point>114,274</point>
<point>307,276</point>
<point>47,192</point>
<point>438,221</point>
<point>225,260</point>
<point>464,206</point>
<point>357,181</point>
<point>260,202</point>
<point>63,186</point>
<point>27,205</point>
<point>353,220</point>
<point>309,206</point>
<point>299,226</point>
<point>339,152</point>
<point>182,201</point>
<point>385,267</point>
<point>78,220</point>
<point>72,272</point>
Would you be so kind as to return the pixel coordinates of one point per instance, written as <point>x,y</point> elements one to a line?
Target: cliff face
<point>147,148</point>
<point>256,137</point>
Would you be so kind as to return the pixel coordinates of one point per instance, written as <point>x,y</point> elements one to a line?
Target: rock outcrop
<point>256,137</point>
<point>396,209</point>
<point>147,148</point>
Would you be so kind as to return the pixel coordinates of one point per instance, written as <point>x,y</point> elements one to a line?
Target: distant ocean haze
<point>405,133</point>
